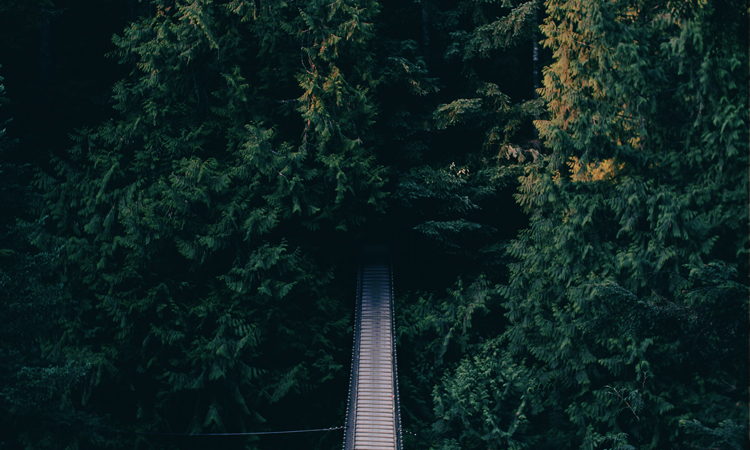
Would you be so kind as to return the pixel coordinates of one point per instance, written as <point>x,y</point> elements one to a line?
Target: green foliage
<point>472,140</point>
<point>647,104</point>
<point>182,223</point>
<point>618,335</point>
<point>496,31</point>
<point>491,31</point>
<point>406,67</point>
<point>433,333</point>
<point>446,322</point>
<point>182,279</point>
<point>448,187</point>
<point>727,435</point>
<point>485,401</point>
<point>449,194</point>
<point>36,382</point>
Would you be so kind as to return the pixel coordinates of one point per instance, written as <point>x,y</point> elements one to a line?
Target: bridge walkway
<point>373,419</point>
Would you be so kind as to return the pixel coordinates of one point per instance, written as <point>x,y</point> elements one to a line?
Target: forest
<point>563,184</point>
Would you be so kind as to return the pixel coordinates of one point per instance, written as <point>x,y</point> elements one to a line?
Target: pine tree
<point>184,221</point>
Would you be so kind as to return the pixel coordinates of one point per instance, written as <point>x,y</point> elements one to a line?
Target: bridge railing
<point>350,417</point>
<point>397,412</point>
<point>349,433</point>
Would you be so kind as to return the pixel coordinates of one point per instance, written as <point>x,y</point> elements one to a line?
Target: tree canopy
<point>564,186</point>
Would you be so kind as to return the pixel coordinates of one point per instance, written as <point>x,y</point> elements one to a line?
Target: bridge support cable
<point>373,421</point>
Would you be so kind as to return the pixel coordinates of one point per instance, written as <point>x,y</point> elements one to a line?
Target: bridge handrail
<point>397,415</point>
<point>350,425</point>
<point>350,419</point>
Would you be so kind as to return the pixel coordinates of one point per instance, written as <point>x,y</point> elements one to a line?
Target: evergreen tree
<point>477,123</point>
<point>35,384</point>
<point>455,190</point>
<point>184,221</point>
<point>184,280</point>
<point>614,316</point>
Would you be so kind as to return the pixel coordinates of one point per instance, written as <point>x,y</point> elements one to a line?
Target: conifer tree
<point>35,383</point>
<point>184,220</point>
<point>477,158</point>
<point>191,231</point>
<point>624,287</point>
<point>457,189</point>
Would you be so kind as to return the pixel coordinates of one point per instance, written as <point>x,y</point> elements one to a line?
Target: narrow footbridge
<point>372,419</point>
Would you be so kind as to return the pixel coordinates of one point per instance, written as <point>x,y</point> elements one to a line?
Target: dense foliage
<point>184,220</point>
<point>615,299</point>
<point>36,407</point>
<point>183,261</point>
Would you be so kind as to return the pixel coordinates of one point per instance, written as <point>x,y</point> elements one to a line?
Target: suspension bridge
<point>372,419</point>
